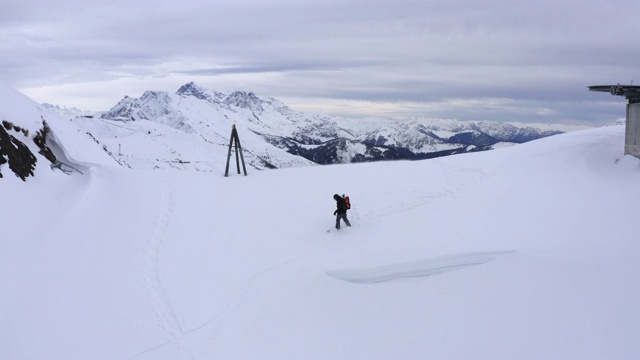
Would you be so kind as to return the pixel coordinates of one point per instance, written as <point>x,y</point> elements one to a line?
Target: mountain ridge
<point>189,130</point>
<point>320,139</point>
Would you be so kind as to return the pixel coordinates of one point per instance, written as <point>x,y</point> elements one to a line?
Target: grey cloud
<point>540,54</point>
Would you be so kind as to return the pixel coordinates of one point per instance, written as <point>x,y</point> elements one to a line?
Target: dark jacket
<point>342,207</point>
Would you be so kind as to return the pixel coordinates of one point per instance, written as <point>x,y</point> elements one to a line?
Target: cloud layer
<point>494,60</point>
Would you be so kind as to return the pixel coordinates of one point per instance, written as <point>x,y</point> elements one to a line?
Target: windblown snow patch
<point>419,268</point>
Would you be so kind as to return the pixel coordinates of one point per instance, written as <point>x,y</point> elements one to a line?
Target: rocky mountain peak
<point>244,100</point>
<point>191,89</point>
<point>122,110</point>
<point>160,96</point>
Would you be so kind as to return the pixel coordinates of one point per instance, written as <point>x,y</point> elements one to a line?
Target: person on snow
<point>341,211</point>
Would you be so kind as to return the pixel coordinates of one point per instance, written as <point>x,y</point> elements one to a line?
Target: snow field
<point>538,240</point>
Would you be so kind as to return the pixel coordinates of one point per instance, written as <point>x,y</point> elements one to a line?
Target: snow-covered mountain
<point>190,130</point>
<point>33,138</point>
<point>275,136</point>
<point>526,252</point>
<point>66,112</point>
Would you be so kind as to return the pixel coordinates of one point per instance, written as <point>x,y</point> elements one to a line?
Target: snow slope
<point>527,252</point>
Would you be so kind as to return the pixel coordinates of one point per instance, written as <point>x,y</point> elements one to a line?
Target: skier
<point>341,211</point>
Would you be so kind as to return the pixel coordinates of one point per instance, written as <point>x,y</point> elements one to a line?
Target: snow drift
<point>141,264</point>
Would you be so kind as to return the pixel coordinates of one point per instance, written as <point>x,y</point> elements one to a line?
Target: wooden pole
<point>226,171</point>
<point>235,136</point>
<point>235,139</point>
<point>241,156</point>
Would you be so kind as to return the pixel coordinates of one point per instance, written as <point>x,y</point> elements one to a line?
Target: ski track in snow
<point>243,295</point>
<point>419,268</point>
<point>166,313</point>
<point>156,291</point>
<point>451,187</point>
<point>211,327</point>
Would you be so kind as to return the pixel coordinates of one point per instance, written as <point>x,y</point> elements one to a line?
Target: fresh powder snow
<point>526,252</point>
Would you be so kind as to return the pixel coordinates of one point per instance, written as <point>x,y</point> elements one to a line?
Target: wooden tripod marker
<point>236,139</point>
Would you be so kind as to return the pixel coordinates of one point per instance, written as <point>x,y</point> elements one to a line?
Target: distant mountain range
<point>66,112</point>
<point>275,136</point>
<point>190,130</point>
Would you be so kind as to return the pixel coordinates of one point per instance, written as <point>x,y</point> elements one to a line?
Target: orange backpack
<point>346,202</point>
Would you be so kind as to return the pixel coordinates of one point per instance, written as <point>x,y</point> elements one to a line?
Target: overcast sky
<point>466,59</point>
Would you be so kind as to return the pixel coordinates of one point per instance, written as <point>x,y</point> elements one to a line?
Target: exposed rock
<point>20,158</point>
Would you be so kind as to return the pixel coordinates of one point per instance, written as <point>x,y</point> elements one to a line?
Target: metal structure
<point>631,92</point>
<point>65,168</point>
<point>235,139</point>
<point>632,131</point>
